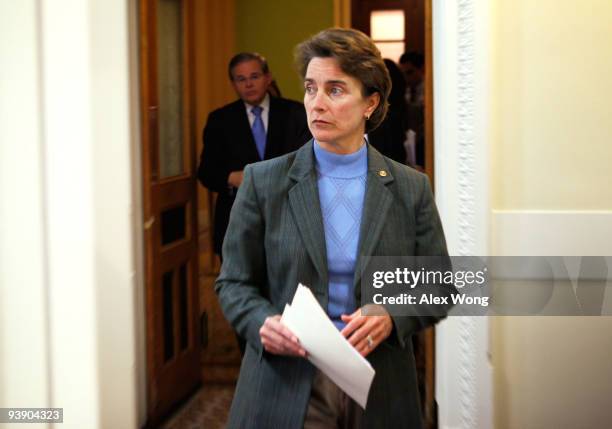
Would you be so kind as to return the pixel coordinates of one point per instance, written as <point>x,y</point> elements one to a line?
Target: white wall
<point>552,371</point>
<point>69,277</point>
<point>24,336</point>
<point>522,168</point>
<point>550,176</point>
<point>551,105</point>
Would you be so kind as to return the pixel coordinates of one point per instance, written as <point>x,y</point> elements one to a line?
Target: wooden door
<point>414,10</point>
<point>170,204</point>
<point>417,37</point>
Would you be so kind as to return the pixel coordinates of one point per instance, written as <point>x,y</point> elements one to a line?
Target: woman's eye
<point>309,90</point>
<point>336,91</point>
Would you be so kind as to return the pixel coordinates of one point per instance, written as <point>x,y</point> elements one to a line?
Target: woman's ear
<point>372,103</point>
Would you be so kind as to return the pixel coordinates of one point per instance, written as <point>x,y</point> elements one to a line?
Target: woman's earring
<point>367,116</point>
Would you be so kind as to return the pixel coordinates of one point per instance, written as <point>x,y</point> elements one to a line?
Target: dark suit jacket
<point>276,240</point>
<point>229,146</point>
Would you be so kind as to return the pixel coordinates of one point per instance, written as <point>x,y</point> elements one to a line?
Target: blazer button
<point>382,173</point>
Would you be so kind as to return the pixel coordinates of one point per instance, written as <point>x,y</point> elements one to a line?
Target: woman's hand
<point>365,333</point>
<point>276,338</point>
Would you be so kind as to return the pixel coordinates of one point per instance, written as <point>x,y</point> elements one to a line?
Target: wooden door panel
<point>175,191</point>
<point>180,367</point>
<point>170,200</point>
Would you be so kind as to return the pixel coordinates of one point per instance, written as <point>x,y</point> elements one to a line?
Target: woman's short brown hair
<point>357,56</point>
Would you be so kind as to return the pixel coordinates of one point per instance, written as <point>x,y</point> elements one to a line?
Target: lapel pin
<point>382,173</point>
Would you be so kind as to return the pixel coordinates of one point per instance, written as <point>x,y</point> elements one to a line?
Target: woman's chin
<point>322,136</point>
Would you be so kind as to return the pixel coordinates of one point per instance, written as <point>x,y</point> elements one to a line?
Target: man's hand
<point>365,333</point>
<point>235,179</point>
<point>278,339</point>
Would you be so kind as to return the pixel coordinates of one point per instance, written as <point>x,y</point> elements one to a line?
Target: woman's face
<point>335,106</point>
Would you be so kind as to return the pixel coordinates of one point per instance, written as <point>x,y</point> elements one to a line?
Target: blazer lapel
<point>378,200</point>
<point>306,209</point>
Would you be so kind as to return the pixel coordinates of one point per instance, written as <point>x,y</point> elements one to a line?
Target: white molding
<point>464,373</point>
<point>551,232</point>
<point>87,165</point>
<point>68,270</point>
<point>24,342</point>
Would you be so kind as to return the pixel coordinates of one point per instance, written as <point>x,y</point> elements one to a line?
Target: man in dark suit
<point>253,128</point>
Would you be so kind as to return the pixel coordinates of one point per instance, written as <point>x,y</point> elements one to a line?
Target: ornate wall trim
<point>465,114</point>
<point>460,86</point>
<point>465,222</point>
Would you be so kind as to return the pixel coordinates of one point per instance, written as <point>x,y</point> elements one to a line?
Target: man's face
<point>412,74</point>
<point>250,82</point>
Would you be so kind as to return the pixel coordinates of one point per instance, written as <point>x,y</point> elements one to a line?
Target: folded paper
<point>327,349</point>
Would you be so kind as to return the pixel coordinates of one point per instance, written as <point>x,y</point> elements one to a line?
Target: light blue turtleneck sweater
<point>342,184</point>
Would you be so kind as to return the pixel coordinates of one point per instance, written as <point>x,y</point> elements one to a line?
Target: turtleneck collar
<point>340,165</point>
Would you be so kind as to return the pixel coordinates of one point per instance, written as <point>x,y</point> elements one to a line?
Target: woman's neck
<point>343,147</point>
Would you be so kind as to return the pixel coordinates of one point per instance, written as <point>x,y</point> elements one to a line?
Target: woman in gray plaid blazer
<point>285,229</point>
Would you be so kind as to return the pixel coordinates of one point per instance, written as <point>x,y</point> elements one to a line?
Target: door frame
<point>182,369</point>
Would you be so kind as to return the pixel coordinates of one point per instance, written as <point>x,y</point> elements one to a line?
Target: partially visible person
<point>311,217</point>
<point>389,137</point>
<point>413,67</point>
<point>253,128</point>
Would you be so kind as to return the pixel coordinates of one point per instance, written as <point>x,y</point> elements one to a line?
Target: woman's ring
<point>370,341</point>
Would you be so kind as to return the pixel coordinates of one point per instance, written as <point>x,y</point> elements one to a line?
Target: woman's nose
<point>318,102</point>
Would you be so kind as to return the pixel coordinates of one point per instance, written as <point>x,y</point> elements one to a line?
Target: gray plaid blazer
<point>276,240</point>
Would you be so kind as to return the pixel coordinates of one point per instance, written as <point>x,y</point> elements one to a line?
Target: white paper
<point>327,349</point>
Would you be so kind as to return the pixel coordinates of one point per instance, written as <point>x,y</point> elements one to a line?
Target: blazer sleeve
<point>213,169</point>
<point>430,242</point>
<point>243,273</point>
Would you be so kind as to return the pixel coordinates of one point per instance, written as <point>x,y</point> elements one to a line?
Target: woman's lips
<point>320,122</point>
